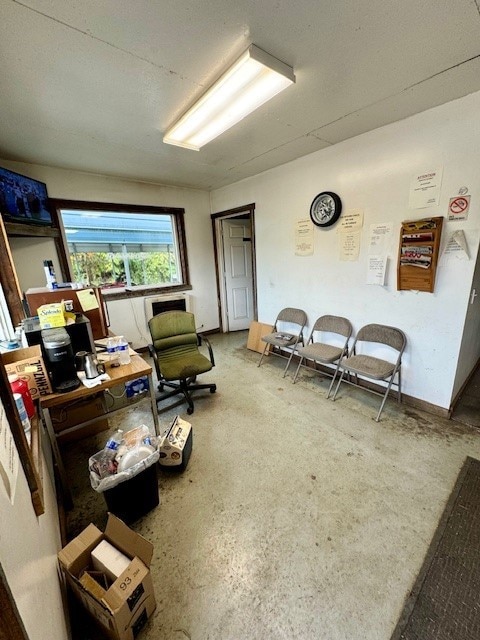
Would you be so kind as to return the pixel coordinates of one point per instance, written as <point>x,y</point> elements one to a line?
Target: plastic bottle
<point>20,386</point>
<point>111,349</point>
<point>123,350</point>
<point>50,274</point>
<point>22,412</point>
<point>108,463</point>
<point>115,440</point>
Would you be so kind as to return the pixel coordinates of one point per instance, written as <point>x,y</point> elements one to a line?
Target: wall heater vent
<point>159,304</point>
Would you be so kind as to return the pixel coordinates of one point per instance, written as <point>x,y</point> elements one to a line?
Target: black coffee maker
<point>59,359</point>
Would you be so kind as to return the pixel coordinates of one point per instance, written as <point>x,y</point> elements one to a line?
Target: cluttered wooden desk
<point>137,368</point>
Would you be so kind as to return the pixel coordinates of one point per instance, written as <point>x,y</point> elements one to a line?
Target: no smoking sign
<point>458,208</point>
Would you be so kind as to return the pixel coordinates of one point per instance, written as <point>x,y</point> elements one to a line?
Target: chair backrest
<point>333,324</point>
<point>383,334</point>
<point>172,328</point>
<point>291,315</point>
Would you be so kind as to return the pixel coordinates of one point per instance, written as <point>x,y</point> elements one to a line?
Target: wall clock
<point>325,209</point>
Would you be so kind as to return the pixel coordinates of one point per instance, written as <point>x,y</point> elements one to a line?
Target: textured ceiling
<point>92,85</point>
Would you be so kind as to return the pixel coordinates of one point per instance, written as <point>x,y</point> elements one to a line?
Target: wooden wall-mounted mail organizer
<point>418,254</point>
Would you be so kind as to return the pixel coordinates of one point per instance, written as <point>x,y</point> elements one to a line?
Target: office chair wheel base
<point>213,388</point>
<point>190,411</point>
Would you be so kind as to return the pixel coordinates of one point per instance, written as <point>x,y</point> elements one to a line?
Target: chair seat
<point>193,365</point>
<point>320,352</point>
<point>280,339</point>
<point>368,365</point>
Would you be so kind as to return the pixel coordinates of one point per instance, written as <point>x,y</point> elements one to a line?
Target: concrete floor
<point>297,518</point>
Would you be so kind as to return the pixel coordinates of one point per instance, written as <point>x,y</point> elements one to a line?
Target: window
<point>118,246</point>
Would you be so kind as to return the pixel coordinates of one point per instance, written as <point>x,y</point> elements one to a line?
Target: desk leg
<point>154,405</point>
<point>66,494</point>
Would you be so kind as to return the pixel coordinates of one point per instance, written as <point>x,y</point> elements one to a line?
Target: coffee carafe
<point>87,362</point>
<point>60,363</point>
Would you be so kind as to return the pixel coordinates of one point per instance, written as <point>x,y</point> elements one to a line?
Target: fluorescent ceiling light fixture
<point>252,80</point>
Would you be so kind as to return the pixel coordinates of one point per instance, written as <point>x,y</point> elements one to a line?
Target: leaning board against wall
<point>418,254</point>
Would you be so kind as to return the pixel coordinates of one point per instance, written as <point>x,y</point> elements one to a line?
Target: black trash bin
<point>130,493</point>
<point>132,499</point>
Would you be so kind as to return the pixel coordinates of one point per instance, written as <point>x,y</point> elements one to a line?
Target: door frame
<point>247,211</point>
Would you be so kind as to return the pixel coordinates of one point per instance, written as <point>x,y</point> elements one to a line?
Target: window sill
<point>141,292</point>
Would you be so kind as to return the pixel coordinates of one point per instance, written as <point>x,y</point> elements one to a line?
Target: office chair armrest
<point>202,338</point>
<point>153,354</point>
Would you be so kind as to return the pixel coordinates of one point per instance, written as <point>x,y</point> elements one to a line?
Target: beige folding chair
<point>287,333</point>
<point>370,338</point>
<point>327,344</point>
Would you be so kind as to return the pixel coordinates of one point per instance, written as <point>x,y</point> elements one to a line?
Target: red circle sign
<point>458,205</point>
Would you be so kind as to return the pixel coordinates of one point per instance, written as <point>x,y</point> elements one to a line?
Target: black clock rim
<point>336,214</point>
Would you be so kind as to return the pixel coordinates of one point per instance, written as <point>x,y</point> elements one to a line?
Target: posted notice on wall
<point>304,238</point>
<point>456,247</point>
<point>425,189</point>
<point>351,220</point>
<point>349,246</point>
<point>87,299</point>
<point>378,249</point>
<point>377,268</point>
<point>380,238</point>
<point>8,457</point>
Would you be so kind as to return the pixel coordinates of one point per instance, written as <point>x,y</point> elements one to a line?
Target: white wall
<point>124,314</point>
<point>373,172</point>
<point>28,555</point>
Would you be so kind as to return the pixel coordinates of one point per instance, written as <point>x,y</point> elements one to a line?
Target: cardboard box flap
<point>10,357</point>
<point>132,544</point>
<point>127,587</point>
<point>74,553</point>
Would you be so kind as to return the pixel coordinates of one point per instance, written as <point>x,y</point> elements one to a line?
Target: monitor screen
<point>23,199</point>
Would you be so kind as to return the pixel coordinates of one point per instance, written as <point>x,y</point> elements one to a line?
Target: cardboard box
<point>29,366</point>
<point>255,333</point>
<point>129,601</point>
<point>67,416</point>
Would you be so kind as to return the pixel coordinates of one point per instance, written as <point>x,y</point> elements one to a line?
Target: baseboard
<point>459,393</point>
<point>408,400</point>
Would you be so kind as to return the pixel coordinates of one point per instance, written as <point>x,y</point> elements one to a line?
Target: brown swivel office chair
<point>176,355</point>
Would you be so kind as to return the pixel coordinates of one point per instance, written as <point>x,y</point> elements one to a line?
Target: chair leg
<point>188,398</point>
<point>333,380</point>
<point>288,364</point>
<point>338,385</point>
<point>298,369</point>
<point>377,419</point>
<point>263,353</point>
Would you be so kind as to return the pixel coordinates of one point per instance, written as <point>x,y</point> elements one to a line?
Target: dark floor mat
<point>445,601</point>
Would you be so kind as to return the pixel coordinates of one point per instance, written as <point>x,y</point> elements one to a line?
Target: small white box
<point>106,558</point>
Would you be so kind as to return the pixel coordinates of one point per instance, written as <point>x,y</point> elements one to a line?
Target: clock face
<point>325,209</point>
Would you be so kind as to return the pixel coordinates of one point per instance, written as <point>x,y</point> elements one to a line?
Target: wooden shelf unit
<point>419,245</point>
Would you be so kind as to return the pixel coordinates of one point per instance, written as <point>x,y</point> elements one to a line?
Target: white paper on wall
<point>376,271</point>
<point>8,457</point>
<point>349,246</point>
<point>425,189</point>
<point>304,238</point>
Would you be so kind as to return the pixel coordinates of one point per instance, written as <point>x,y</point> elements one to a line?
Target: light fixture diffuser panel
<point>252,80</point>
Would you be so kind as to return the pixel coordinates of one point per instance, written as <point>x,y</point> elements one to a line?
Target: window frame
<point>178,215</point>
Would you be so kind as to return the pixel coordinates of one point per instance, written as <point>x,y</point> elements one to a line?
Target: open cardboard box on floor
<point>122,607</point>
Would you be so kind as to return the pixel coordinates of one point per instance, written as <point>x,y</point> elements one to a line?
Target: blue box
<point>136,387</point>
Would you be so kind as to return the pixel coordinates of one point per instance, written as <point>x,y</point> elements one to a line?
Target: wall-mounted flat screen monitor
<point>23,199</point>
